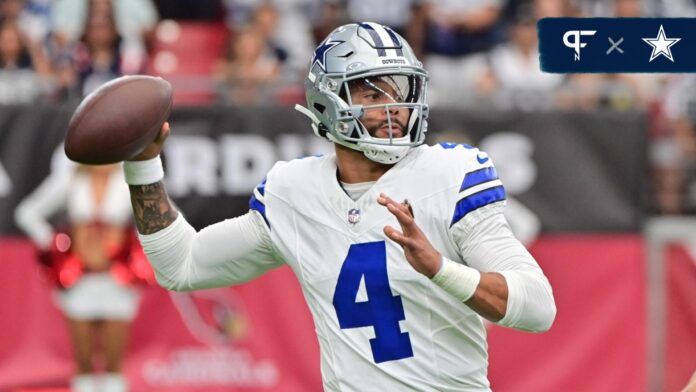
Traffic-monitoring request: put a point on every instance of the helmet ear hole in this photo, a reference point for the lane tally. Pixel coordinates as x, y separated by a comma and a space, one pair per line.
343, 92
320, 108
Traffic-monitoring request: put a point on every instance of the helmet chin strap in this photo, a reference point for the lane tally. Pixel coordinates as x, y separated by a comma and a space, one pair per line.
385, 154
312, 117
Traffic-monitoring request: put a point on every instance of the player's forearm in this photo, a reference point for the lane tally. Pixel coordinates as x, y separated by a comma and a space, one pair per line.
531, 306
490, 298
519, 298
152, 209
169, 252
511, 283
225, 253
486, 293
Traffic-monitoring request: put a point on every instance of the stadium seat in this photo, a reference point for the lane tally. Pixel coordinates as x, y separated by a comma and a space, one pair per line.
185, 53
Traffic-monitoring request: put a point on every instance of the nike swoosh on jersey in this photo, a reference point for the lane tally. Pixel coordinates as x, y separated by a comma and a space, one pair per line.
481, 160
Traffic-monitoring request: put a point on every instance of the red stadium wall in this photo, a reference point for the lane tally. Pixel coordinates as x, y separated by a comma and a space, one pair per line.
597, 342
259, 336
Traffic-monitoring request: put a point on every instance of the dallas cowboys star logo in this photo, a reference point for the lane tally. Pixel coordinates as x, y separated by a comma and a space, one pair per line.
320, 53
661, 45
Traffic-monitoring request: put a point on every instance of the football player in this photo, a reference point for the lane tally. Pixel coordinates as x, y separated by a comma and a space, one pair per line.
400, 248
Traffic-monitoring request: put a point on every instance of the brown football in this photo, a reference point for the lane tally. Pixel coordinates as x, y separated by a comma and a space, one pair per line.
118, 120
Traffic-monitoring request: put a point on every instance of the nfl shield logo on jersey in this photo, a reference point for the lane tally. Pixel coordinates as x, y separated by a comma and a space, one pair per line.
354, 215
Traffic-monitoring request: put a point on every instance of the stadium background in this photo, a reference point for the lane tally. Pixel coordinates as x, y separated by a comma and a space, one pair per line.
604, 162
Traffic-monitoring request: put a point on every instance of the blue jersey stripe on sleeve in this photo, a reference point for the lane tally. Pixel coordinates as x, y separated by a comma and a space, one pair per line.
449, 145
262, 187
476, 201
255, 204
479, 177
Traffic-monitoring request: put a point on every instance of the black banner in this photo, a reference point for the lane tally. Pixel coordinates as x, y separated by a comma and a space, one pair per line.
611, 45
576, 171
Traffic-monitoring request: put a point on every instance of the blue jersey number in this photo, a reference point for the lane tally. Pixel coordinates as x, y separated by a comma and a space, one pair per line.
382, 310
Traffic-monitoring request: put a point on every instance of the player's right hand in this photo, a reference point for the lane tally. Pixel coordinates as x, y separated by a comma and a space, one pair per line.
153, 149
418, 250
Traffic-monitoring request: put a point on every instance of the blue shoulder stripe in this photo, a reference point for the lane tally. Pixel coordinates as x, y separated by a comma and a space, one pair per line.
255, 204
449, 145
479, 177
476, 201
262, 187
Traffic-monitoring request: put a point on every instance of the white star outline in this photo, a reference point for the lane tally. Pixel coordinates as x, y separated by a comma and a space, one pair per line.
321, 52
661, 45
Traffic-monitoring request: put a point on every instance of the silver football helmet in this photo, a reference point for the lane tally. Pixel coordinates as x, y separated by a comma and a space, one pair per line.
367, 56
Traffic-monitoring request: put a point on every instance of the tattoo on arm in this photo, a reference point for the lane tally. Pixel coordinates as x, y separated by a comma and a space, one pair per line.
151, 206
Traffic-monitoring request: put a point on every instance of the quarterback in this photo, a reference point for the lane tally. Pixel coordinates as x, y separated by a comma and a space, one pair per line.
401, 248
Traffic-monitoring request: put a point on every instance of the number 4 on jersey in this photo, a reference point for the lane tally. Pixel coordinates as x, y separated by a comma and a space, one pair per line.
382, 310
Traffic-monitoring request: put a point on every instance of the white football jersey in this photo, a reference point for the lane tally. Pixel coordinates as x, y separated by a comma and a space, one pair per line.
381, 325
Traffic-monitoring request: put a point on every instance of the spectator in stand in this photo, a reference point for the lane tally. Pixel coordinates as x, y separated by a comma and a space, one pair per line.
25, 73
671, 8
328, 16
673, 153
396, 14
32, 17
514, 79
97, 56
135, 21
265, 24
457, 35
551, 8
292, 29
247, 76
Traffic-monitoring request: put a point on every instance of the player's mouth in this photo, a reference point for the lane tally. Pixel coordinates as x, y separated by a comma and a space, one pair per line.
383, 131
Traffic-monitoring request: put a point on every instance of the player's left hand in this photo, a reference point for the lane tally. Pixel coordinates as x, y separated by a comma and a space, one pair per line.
418, 250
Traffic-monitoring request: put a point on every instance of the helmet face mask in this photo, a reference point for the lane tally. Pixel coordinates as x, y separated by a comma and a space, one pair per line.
357, 84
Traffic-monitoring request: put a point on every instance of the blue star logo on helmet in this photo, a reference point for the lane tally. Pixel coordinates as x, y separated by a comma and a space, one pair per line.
320, 53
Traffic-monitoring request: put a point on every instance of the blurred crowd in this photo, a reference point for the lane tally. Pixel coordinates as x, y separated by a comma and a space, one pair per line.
479, 53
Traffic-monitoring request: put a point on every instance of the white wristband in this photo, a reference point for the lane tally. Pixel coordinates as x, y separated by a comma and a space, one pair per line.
457, 279
143, 172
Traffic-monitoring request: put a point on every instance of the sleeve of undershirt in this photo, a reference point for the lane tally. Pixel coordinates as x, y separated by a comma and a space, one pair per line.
490, 246
223, 254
